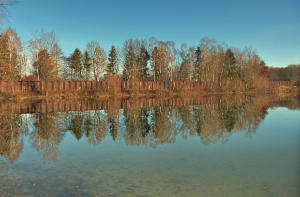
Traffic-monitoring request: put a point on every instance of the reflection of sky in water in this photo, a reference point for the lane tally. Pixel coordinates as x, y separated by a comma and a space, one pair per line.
266, 163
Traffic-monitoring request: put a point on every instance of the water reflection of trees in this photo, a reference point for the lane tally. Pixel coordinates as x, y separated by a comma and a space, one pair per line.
137, 126
218, 121
12, 129
47, 134
213, 122
91, 124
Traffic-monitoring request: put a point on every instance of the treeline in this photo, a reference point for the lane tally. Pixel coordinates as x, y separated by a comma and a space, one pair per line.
289, 73
155, 60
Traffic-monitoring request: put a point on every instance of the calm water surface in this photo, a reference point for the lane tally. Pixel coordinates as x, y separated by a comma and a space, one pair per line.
249, 148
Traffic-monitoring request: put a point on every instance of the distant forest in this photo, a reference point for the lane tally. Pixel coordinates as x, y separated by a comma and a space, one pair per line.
289, 73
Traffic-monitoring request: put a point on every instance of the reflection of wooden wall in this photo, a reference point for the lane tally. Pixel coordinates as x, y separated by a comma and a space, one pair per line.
116, 104
92, 87
105, 104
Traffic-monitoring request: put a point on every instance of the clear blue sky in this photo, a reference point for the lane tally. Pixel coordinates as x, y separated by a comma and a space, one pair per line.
271, 27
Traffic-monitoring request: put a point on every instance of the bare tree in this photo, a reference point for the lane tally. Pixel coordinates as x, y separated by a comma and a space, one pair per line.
99, 59
22, 65
100, 63
172, 52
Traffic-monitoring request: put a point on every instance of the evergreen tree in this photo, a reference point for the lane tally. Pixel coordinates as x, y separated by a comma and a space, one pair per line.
129, 70
142, 62
197, 65
112, 67
231, 68
76, 64
87, 65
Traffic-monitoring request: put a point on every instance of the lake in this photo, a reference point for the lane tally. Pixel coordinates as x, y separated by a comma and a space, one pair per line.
210, 146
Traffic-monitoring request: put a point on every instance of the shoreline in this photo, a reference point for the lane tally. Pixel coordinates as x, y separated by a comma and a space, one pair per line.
148, 94
42, 105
